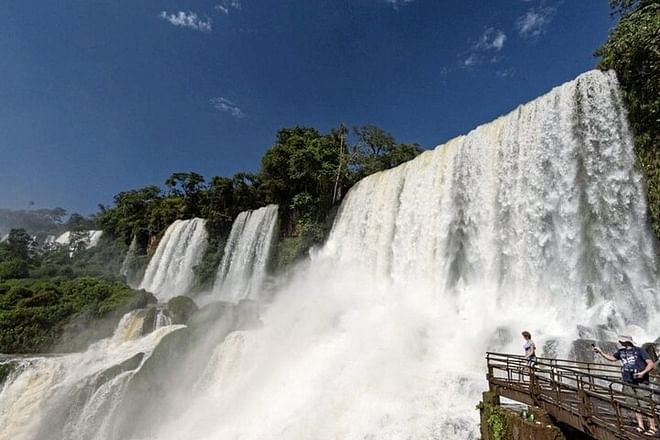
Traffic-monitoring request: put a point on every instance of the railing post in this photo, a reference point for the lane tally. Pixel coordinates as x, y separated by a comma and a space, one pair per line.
617, 409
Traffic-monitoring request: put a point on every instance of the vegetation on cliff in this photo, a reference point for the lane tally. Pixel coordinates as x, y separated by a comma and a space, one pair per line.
633, 51
45, 290
305, 172
33, 313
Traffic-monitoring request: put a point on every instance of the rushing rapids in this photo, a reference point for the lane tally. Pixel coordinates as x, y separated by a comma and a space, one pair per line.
244, 263
534, 221
170, 270
75, 396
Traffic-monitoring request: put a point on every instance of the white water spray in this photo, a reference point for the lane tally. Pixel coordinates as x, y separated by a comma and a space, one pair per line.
75, 396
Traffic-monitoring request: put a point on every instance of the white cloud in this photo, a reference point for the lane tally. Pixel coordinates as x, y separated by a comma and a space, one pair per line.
227, 5
534, 22
187, 19
397, 3
225, 105
491, 39
506, 73
484, 50
472, 60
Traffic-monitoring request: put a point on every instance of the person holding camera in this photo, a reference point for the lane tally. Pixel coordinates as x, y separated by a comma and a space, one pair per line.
635, 368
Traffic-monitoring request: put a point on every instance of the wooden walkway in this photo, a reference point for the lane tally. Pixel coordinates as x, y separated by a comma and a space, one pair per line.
586, 396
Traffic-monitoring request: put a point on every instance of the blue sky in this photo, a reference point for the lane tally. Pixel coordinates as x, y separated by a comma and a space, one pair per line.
100, 96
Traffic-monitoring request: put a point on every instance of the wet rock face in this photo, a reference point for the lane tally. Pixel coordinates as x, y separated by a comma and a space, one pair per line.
112, 372
5, 370
599, 333
180, 309
149, 323
582, 350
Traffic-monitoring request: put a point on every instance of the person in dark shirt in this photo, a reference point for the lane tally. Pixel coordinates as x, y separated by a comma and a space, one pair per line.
635, 368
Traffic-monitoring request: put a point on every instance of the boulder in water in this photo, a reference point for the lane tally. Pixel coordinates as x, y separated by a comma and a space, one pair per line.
582, 350
181, 308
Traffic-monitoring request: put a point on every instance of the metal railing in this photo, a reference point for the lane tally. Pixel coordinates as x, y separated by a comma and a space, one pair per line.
590, 397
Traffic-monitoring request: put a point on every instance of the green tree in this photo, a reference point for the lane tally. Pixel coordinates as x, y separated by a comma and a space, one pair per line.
19, 244
189, 186
376, 150
132, 213
633, 51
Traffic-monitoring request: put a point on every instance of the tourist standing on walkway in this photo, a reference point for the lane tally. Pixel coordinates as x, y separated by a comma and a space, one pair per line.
530, 350
635, 368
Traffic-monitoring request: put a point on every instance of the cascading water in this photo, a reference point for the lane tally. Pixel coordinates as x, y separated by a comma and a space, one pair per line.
75, 396
76, 240
535, 221
162, 319
170, 270
243, 268
127, 269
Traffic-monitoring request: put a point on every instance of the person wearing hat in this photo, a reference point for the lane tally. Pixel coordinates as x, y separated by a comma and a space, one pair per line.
635, 369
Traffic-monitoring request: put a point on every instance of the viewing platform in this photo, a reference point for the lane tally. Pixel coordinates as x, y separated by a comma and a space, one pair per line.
585, 398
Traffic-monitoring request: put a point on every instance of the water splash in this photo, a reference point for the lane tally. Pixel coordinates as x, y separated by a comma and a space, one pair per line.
75, 396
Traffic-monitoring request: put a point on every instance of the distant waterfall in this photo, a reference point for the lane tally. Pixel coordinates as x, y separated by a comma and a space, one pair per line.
75, 396
170, 270
243, 268
77, 240
127, 269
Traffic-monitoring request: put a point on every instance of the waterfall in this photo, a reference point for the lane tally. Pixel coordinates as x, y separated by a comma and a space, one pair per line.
244, 263
128, 268
535, 221
170, 270
75, 396
76, 240
542, 208
162, 319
